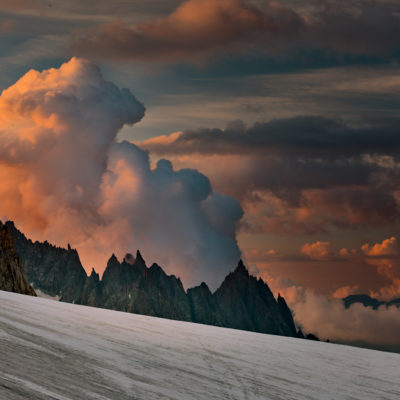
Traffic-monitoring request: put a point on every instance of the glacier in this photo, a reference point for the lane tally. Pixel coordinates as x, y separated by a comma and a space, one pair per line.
55, 350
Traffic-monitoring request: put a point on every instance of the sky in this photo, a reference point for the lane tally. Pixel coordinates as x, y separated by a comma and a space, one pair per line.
202, 131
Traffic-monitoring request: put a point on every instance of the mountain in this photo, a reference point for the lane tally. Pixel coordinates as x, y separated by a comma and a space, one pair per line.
241, 302
368, 301
53, 270
12, 275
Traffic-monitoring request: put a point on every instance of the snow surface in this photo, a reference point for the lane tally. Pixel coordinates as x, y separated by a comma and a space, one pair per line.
53, 350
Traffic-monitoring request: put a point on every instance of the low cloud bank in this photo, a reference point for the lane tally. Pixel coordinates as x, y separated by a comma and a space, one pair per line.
329, 319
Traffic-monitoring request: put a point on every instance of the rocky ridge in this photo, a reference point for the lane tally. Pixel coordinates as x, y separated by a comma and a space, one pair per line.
241, 302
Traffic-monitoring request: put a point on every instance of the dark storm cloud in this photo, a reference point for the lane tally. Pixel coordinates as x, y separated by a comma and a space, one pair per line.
311, 172
196, 27
305, 134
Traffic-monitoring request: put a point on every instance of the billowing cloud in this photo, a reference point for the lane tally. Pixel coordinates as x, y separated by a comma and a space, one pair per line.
318, 250
65, 179
385, 257
203, 27
388, 247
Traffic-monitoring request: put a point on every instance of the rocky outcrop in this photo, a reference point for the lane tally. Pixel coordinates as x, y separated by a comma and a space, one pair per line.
247, 303
12, 275
53, 270
241, 302
203, 306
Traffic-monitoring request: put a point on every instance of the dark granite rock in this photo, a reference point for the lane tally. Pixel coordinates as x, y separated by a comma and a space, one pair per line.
12, 274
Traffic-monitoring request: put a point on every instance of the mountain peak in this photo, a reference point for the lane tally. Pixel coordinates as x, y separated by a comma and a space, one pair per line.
139, 258
113, 260
94, 275
241, 269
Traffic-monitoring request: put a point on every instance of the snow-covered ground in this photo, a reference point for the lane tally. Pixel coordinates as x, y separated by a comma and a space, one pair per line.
53, 350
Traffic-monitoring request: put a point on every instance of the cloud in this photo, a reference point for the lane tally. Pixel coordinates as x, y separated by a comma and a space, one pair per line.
385, 257
303, 134
318, 250
16, 5
329, 319
198, 28
388, 247
7, 26
344, 291
64, 178
302, 174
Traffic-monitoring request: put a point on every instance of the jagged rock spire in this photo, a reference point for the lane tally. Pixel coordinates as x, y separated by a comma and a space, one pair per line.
241, 269
139, 258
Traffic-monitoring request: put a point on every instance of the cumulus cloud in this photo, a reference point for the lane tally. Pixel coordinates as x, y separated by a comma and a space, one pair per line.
64, 178
388, 247
385, 257
203, 27
318, 250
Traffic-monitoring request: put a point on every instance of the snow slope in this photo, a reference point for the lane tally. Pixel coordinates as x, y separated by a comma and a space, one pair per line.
53, 350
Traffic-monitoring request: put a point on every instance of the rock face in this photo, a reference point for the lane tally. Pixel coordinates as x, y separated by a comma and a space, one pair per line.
12, 275
132, 287
241, 302
53, 270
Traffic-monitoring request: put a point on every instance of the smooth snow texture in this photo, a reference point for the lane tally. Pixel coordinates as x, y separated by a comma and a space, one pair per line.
52, 350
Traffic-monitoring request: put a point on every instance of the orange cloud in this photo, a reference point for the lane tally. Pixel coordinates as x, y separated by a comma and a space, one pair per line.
317, 251
388, 247
388, 267
344, 291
